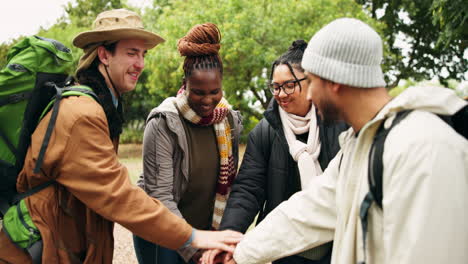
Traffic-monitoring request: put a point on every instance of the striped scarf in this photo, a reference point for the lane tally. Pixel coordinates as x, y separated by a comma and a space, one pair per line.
227, 171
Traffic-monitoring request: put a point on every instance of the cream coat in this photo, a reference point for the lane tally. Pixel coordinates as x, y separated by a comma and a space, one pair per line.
425, 182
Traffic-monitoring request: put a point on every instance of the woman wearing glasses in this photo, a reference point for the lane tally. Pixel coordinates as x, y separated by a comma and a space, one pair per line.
287, 148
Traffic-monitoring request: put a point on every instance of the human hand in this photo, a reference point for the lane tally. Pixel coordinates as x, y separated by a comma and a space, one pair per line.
232, 261
222, 240
216, 256
196, 258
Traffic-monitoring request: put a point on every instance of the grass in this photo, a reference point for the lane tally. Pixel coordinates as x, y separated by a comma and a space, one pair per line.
130, 151
134, 167
130, 156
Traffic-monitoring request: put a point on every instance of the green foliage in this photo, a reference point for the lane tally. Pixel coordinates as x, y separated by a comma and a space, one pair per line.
4, 48
249, 123
410, 29
452, 84
138, 103
254, 34
131, 136
83, 12
79, 18
132, 133
451, 17
400, 88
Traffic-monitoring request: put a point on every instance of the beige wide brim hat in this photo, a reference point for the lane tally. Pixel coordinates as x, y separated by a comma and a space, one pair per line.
114, 25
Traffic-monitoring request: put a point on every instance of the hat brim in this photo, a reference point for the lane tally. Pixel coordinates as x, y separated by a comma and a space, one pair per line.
95, 36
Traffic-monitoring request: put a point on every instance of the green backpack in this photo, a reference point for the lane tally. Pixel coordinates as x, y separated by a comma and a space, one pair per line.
30, 85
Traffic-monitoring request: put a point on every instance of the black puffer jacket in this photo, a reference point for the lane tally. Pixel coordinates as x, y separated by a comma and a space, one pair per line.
268, 174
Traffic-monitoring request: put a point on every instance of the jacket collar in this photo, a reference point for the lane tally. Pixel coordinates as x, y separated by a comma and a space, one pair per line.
168, 105
434, 99
271, 114
429, 98
93, 78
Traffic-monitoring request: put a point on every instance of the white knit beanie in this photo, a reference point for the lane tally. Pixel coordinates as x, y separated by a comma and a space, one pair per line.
346, 51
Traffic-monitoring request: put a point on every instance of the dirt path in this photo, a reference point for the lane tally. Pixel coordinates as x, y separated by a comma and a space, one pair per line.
123, 246
130, 156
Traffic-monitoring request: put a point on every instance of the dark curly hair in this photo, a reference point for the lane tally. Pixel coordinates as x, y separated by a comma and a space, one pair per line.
291, 58
200, 46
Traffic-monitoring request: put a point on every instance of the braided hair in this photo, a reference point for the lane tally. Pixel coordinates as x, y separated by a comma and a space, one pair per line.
200, 47
291, 58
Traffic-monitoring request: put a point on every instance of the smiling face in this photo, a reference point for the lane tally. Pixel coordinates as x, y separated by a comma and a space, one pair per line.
125, 64
204, 91
295, 103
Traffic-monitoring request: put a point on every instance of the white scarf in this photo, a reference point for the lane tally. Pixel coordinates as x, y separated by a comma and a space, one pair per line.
306, 155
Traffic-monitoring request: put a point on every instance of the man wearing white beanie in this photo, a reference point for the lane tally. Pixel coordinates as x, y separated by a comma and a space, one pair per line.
425, 166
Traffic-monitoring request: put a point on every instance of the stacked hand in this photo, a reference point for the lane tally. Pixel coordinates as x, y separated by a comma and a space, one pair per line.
220, 243
216, 256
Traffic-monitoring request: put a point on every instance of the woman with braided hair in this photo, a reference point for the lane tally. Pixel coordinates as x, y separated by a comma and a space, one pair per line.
190, 145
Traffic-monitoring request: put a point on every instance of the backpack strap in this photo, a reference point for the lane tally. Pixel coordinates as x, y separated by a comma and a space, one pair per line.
50, 126
8, 143
266, 139
80, 90
375, 166
32, 191
458, 121
15, 98
60, 93
375, 174
35, 251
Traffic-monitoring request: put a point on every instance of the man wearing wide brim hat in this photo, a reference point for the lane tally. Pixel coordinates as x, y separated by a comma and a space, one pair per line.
75, 216
111, 26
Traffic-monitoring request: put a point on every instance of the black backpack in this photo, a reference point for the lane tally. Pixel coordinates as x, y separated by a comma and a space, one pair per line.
458, 121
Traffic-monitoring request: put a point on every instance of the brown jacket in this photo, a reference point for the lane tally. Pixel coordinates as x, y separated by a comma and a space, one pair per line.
75, 217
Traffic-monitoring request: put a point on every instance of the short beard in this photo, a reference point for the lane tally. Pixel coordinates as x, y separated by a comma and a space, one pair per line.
329, 112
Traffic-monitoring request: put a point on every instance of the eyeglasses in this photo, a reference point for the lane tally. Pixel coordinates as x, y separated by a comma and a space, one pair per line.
288, 87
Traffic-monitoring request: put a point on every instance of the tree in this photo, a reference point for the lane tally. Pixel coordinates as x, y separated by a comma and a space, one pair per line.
4, 48
451, 17
419, 49
79, 17
254, 34
84, 12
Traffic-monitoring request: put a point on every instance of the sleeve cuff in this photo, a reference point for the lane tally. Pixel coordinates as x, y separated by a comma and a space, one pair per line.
190, 240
